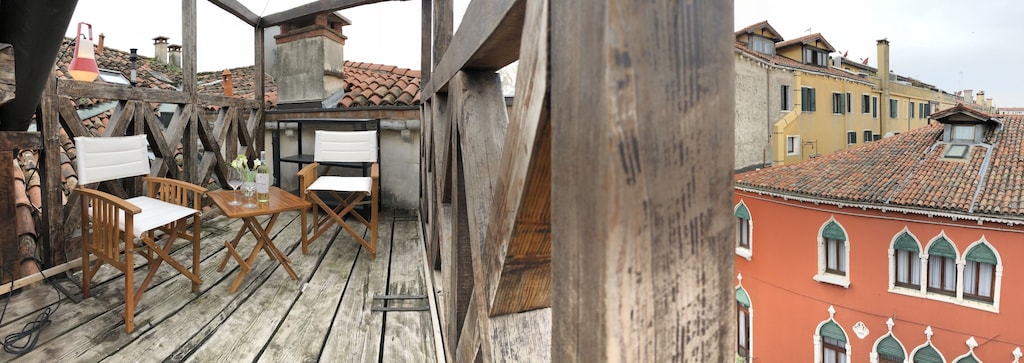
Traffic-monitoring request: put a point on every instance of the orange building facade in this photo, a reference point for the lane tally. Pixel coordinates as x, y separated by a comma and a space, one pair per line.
862, 256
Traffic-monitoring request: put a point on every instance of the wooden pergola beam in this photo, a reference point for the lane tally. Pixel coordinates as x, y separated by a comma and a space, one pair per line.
488, 43
238, 10
312, 8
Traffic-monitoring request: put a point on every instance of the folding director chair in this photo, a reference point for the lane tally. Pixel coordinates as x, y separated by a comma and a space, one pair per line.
122, 227
342, 147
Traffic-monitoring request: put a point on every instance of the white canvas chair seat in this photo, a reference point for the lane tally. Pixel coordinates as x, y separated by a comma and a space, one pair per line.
111, 225
343, 147
342, 184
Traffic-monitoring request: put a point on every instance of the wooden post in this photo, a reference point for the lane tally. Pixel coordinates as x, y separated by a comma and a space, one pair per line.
260, 133
190, 140
7, 87
642, 155
54, 214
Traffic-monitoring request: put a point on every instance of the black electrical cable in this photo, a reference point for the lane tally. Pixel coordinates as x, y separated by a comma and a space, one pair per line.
24, 341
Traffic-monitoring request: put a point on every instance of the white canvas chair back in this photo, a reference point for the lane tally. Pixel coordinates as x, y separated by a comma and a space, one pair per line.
346, 146
108, 158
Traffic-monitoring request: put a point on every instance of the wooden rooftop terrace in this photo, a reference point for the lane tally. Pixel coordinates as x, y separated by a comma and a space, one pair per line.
327, 315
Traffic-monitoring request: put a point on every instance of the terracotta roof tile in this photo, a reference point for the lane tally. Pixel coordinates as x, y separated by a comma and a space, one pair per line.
807, 39
909, 170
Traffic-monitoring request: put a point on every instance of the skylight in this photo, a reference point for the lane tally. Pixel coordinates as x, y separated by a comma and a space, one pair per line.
957, 151
114, 77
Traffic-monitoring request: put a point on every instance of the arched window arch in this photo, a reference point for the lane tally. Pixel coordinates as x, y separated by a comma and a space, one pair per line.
983, 273
888, 349
831, 344
926, 353
942, 271
833, 254
905, 262
744, 231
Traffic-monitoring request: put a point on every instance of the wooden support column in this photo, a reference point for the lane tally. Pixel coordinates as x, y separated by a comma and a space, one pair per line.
261, 87
54, 215
642, 154
190, 140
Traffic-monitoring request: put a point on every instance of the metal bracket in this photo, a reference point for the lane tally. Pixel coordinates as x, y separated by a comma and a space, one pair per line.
385, 298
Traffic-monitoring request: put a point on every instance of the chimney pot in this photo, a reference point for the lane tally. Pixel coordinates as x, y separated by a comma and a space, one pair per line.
160, 49
174, 54
228, 87
99, 46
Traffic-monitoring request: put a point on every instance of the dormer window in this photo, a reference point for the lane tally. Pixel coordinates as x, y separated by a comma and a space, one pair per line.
815, 56
962, 133
762, 45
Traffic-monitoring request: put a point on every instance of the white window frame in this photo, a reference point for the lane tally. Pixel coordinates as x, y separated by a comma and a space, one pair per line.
996, 290
923, 265
750, 324
960, 262
848, 134
865, 100
874, 347
796, 145
828, 277
745, 252
910, 358
818, 358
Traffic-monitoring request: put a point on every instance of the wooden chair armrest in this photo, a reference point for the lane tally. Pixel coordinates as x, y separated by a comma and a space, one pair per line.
307, 175
375, 171
175, 191
109, 198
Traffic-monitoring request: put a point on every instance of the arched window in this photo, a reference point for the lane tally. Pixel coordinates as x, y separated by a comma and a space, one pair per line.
942, 267
906, 261
833, 254
980, 273
744, 229
927, 354
888, 349
969, 358
743, 324
833, 343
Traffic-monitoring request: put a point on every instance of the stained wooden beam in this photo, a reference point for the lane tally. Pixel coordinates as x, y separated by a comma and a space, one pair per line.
641, 181
518, 254
53, 192
208, 99
236, 8
312, 8
77, 89
7, 86
488, 42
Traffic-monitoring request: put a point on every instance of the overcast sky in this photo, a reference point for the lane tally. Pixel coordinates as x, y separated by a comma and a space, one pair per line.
950, 44
945, 43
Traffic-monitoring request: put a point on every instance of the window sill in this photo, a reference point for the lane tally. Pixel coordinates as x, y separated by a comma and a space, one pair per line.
744, 252
833, 279
984, 306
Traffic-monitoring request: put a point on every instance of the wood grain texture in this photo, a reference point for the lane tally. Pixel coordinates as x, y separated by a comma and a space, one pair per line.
9, 250
517, 254
76, 89
403, 329
523, 337
641, 178
312, 8
236, 8
54, 217
7, 79
487, 43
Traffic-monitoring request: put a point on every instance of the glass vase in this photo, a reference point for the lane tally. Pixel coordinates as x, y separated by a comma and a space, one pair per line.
249, 191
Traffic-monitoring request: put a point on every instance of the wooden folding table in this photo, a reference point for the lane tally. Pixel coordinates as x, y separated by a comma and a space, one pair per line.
280, 201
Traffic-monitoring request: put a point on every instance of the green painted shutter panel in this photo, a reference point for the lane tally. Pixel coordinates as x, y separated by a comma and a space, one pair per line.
832, 330
890, 348
927, 354
967, 359
982, 253
742, 212
742, 298
833, 231
943, 248
906, 242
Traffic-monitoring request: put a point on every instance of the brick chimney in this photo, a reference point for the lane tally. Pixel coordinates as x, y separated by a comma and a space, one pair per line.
99, 46
310, 58
979, 98
174, 54
229, 88
883, 83
160, 49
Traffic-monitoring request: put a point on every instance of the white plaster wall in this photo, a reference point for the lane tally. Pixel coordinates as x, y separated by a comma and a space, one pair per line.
758, 107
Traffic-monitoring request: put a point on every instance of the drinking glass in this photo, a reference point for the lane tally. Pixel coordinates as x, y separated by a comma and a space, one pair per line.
234, 181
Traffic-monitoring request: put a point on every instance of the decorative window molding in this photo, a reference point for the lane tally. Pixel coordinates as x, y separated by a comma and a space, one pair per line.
955, 268
888, 348
942, 276
968, 357
927, 352
906, 262
984, 252
833, 254
830, 335
744, 307
744, 231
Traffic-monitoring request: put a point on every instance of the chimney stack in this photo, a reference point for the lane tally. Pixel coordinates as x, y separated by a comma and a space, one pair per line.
228, 87
316, 44
979, 98
99, 46
883, 83
174, 54
160, 49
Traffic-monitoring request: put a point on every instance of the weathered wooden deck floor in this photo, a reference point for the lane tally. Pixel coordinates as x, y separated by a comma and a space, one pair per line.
324, 316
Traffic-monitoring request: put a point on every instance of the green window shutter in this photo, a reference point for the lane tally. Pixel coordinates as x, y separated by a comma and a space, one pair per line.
813, 103
943, 248
906, 242
742, 298
832, 330
982, 253
742, 212
890, 348
968, 359
833, 231
927, 354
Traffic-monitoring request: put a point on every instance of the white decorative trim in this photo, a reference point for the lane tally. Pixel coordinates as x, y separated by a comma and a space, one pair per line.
1017, 354
998, 288
817, 338
971, 344
928, 334
861, 330
745, 252
796, 144
892, 259
826, 277
750, 316
874, 347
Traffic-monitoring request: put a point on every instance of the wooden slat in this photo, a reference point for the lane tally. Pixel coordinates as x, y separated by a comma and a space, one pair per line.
487, 43
443, 14
9, 249
163, 152
404, 331
260, 95
312, 8
78, 89
426, 9
208, 99
53, 190
463, 322
641, 181
517, 258
523, 337
235, 8
121, 119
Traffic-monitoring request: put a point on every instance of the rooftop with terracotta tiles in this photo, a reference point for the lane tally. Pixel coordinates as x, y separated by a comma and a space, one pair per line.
910, 170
